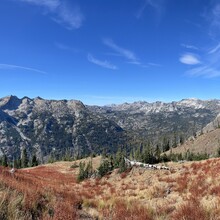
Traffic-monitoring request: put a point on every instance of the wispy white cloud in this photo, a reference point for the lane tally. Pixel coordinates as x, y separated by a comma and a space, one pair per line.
14, 67
155, 4
210, 66
104, 64
154, 64
68, 16
189, 59
141, 10
129, 55
215, 49
212, 16
49, 4
71, 18
62, 46
216, 15
188, 46
205, 71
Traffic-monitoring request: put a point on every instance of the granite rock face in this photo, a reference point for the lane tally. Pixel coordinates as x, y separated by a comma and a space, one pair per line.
59, 127
52, 127
153, 120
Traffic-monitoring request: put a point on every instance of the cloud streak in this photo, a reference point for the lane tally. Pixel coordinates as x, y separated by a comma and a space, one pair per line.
216, 15
105, 64
49, 4
215, 49
15, 67
155, 4
63, 14
205, 71
188, 46
129, 55
62, 46
210, 66
189, 59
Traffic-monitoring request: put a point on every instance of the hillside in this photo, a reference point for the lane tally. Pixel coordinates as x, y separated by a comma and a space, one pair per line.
206, 141
187, 191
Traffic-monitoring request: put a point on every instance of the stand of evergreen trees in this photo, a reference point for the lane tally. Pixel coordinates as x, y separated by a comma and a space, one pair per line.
21, 162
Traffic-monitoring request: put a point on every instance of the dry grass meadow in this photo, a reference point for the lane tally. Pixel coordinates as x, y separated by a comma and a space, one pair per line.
189, 191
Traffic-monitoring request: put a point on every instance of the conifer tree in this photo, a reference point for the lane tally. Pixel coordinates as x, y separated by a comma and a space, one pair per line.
122, 165
157, 153
85, 171
34, 161
104, 167
81, 175
5, 161
17, 163
24, 158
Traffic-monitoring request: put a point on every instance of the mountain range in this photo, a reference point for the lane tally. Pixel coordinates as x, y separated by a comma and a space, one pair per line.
59, 127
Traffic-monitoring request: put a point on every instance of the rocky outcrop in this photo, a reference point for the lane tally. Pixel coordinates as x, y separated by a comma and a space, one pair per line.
58, 127
55, 128
154, 120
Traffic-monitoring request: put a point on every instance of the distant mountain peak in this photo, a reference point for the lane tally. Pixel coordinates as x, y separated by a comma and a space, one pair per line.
38, 97
10, 102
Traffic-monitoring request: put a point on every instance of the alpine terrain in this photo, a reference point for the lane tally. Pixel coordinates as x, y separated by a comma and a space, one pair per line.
54, 128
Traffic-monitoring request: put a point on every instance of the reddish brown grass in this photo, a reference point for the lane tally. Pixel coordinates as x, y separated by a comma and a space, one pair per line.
123, 212
191, 210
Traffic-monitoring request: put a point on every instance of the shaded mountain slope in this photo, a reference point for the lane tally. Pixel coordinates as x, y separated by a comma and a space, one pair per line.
51, 127
153, 120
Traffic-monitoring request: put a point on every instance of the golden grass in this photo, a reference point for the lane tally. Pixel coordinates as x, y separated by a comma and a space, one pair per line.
52, 192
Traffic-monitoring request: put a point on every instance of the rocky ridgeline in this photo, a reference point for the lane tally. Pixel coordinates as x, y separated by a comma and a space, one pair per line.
53, 128
153, 120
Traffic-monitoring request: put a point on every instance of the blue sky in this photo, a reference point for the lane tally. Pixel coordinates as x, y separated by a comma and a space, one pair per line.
110, 51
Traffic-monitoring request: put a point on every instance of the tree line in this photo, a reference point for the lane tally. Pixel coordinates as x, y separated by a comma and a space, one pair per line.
21, 162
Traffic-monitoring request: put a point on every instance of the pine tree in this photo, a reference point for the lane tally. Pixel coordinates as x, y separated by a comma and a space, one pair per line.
166, 144
5, 161
34, 161
182, 140
117, 159
157, 153
17, 163
174, 145
88, 169
81, 175
104, 167
24, 158
85, 171
218, 152
122, 166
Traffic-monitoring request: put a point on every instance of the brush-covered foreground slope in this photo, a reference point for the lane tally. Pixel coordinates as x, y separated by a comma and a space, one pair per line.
187, 191
54, 128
